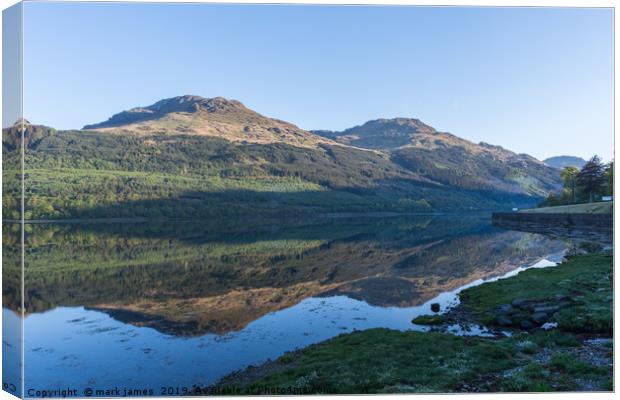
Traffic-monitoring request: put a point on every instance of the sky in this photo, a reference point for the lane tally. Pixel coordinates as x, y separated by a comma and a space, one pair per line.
533, 80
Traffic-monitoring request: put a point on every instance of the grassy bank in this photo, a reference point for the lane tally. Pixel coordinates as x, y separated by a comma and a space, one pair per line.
605, 207
577, 295
577, 355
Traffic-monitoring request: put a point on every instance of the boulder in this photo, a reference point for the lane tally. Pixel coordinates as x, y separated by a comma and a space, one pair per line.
435, 307
526, 324
502, 320
505, 309
540, 317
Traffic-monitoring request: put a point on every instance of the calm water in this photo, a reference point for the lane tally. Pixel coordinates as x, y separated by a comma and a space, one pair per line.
146, 306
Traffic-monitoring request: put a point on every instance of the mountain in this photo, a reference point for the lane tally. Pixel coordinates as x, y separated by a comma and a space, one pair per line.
448, 159
217, 117
561, 162
193, 157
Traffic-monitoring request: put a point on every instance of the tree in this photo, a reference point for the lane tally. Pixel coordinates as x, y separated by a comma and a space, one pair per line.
591, 178
569, 177
609, 175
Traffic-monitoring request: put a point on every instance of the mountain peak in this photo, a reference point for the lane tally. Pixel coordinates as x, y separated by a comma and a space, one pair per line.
399, 126
560, 162
179, 104
215, 117
21, 122
382, 133
193, 103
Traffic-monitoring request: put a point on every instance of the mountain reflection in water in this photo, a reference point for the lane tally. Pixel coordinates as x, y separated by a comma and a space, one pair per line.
190, 296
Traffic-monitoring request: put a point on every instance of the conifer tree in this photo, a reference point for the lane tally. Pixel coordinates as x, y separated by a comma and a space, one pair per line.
591, 178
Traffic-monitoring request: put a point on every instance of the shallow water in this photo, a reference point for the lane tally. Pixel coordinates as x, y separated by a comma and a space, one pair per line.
159, 307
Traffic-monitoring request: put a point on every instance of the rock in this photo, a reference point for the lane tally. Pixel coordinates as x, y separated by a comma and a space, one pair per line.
546, 309
505, 309
520, 303
533, 306
502, 320
526, 324
435, 307
540, 317
549, 325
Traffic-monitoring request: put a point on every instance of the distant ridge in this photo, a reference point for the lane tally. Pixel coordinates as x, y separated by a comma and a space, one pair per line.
560, 162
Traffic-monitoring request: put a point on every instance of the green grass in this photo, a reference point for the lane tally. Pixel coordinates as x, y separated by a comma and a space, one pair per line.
586, 279
382, 360
559, 374
388, 361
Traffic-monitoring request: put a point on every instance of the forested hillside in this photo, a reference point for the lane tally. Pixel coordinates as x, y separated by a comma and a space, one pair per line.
190, 157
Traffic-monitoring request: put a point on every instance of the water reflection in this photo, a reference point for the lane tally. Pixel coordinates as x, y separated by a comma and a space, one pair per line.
187, 303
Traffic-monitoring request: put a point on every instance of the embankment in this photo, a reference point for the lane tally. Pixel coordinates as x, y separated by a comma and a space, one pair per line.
592, 222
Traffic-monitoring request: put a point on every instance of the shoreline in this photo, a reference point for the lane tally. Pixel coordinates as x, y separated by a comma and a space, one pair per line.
574, 352
266, 217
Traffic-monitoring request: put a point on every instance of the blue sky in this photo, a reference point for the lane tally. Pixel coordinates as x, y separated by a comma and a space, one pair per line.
534, 80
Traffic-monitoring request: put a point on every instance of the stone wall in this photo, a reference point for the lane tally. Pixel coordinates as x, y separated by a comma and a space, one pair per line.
603, 221
587, 227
